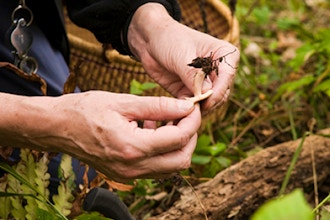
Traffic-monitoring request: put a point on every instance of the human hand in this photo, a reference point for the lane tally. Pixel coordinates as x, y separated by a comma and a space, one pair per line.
101, 129
166, 47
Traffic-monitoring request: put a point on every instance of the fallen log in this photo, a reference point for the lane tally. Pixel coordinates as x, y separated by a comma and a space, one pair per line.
238, 191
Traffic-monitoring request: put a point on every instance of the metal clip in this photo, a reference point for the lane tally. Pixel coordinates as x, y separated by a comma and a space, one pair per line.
21, 39
22, 11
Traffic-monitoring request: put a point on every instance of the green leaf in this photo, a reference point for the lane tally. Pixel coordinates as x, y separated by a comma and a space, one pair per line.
323, 87
135, 87
16, 178
203, 140
223, 161
262, 14
12, 172
217, 149
302, 54
213, 150
26, 167
63, 200
287, 23
148, 85
324, 40
304, 81
294, 85
200, 159
42, 180
212, 169
138, 88
17, 208
325, 213
289, 207
5, 206
42, 214
91, 216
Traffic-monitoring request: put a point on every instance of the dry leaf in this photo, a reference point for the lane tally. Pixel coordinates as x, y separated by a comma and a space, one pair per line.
32, 77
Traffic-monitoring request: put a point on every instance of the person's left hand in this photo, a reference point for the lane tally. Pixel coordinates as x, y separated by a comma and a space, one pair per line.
166, 47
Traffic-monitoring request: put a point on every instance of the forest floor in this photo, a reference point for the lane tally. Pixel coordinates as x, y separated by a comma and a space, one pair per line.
277, 95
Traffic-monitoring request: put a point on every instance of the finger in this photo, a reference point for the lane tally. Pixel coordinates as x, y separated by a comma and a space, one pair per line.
218, 104
148, 124
223, 81
220, 89
169, 137
156, 108
174, 161
161, 166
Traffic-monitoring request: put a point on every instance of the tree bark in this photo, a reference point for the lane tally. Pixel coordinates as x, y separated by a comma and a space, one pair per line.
238, 191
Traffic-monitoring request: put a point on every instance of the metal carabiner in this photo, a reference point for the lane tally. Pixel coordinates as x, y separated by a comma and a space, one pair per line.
28, 65
22, 11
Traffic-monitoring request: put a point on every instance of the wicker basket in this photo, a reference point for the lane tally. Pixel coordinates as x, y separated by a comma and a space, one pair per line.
108, 70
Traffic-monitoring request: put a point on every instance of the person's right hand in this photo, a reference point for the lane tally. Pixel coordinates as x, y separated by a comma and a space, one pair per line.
101, 129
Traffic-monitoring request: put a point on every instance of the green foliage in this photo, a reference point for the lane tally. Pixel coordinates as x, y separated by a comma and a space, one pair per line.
43, 214
91, 216
14, 187
323, 87
63, 201
42, 180
287, 207
210, 156
294, 86
26, 169
261, 15
25, 192
322, 206
325, 213
4, 201
138, 88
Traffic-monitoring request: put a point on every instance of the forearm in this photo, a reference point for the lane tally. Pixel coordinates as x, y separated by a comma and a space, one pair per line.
29, 122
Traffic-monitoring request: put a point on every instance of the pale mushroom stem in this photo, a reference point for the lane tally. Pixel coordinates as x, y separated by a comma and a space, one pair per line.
198, 84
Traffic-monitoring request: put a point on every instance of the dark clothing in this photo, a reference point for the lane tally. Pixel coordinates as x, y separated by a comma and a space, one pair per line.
107, 19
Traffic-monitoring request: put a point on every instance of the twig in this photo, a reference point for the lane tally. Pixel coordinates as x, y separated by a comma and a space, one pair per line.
316, 194
245, 130
199, 200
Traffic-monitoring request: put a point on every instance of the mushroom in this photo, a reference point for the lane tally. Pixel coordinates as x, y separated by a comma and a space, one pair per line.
198, 84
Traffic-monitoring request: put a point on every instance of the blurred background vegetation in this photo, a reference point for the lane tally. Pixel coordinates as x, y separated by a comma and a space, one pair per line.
281, 91
282, 88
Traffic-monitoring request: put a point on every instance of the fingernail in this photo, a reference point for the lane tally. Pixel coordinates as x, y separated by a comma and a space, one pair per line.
185, 105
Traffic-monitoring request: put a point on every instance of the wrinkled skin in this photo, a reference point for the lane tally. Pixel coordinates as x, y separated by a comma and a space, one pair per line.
166, 47
101, 129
